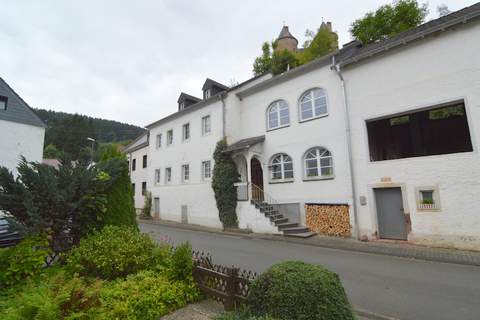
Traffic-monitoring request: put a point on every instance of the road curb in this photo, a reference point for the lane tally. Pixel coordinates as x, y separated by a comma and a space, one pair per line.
394, 250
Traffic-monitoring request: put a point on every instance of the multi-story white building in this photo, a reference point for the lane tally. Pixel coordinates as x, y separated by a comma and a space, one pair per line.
374, 142
137, 156
22, 132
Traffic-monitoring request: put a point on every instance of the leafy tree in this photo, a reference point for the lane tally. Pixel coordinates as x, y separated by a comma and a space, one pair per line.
224, 176
64, 203
389, 20
51, 152
263, 63
318, 45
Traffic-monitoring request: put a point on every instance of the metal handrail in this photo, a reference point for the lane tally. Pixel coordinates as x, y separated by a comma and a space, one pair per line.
258, 194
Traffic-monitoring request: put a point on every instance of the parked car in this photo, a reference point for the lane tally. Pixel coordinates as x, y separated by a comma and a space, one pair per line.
8, 236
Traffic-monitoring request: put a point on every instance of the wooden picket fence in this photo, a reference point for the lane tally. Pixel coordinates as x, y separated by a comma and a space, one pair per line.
229, 285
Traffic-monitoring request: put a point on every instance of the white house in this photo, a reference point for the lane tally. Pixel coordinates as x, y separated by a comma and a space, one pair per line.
137, 155
373, 142
22, 132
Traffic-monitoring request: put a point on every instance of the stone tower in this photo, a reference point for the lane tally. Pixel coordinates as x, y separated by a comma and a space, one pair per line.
285, 40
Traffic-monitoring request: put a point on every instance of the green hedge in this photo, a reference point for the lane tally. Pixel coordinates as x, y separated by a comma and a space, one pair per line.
297, 290
111, 253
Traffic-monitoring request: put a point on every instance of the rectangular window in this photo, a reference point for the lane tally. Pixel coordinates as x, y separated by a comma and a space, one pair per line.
169, 137
206, 125
3, 103
134, 164
185, 173
133, 188
186, 131
207, 93
428, 199
144, 188
158, 143
440, 130
157, 176
144, 161
206, 170
168, 175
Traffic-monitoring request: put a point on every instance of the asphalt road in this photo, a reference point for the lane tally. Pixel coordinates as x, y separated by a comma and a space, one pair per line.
396, 287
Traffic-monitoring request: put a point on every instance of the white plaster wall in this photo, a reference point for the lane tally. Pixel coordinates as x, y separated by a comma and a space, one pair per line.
196, 194
440, 69
296, 139
16, 140
251, 218
139, 175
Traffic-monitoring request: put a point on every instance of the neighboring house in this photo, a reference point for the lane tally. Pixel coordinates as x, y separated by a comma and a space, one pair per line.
138, 164
21, 130
373, 142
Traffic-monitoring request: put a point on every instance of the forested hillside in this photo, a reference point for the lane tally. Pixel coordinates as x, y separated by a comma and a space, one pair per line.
68, 133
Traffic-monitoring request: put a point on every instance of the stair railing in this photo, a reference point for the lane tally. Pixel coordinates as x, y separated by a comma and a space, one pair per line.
259, 195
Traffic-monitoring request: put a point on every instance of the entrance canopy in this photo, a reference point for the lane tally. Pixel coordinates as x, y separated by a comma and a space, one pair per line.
244, 144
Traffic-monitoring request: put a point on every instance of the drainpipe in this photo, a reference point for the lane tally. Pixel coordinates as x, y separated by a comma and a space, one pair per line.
224, 117
348, 132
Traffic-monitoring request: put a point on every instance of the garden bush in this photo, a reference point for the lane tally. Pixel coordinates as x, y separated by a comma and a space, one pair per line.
297, 290
22, 261
145, 295
113, 252
54, 296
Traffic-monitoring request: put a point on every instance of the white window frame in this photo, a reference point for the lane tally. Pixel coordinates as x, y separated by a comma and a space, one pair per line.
284, 159
310, 93
207, 93
278, 104
182, 105
158, 141
186, 129
168, 175
204, 131
185, 172
319, 155
421, 206
169, 137
157, 176
204, 176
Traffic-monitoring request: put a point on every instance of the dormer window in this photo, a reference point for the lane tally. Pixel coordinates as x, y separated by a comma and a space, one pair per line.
181, 106
3, 103
207, 93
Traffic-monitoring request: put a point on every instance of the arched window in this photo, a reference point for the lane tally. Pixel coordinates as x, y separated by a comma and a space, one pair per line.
278, 115
318, 163
281, 167
313, 104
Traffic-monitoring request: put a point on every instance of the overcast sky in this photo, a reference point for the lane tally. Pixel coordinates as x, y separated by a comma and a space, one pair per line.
129, 60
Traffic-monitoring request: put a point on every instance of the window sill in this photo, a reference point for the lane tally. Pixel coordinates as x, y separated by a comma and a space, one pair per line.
314, 118
281, 181
318, 178
428, 207
278, 128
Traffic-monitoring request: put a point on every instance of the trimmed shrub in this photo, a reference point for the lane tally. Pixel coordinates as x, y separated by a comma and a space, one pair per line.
120, 209
113, 252
145, 295
297, 290
181, 263
22, 261
224, 176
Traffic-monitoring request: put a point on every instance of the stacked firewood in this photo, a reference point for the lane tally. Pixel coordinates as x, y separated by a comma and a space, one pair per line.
331, 220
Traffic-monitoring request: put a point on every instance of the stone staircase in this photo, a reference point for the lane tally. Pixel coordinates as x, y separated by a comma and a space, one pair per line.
288, 228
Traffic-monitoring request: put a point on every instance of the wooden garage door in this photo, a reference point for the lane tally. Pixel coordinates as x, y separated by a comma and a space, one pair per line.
328, 219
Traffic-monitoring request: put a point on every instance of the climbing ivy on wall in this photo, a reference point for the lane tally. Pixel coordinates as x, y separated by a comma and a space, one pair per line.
224, 176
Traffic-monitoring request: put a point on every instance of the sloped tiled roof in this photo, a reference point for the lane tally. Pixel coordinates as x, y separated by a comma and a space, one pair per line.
184, 96
209, 82
245, 143
17, 109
